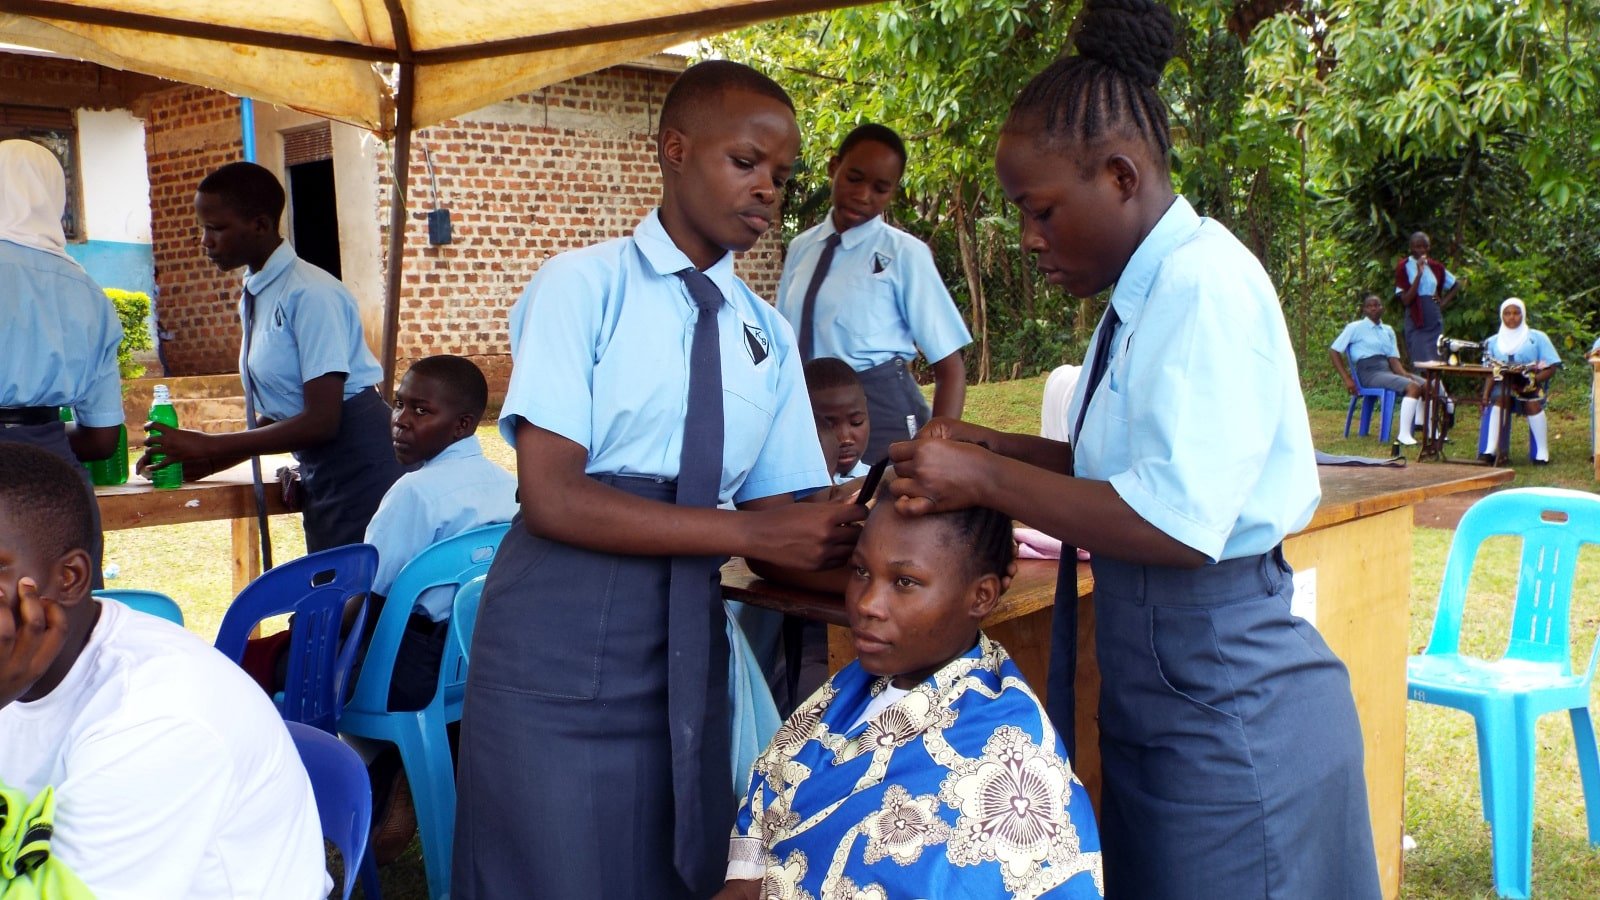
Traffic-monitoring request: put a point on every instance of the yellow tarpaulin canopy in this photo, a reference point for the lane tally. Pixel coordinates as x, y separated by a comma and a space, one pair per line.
386, 65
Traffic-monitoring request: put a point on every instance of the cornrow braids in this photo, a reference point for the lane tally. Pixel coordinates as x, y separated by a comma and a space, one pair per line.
986, 535
1109, 85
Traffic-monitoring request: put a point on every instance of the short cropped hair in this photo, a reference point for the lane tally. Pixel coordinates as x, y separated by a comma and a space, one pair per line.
702, 83
461, 379
880, 134
246, 188
826, 373
46, 500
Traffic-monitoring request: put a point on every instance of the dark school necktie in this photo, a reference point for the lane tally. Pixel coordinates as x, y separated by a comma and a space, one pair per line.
250, 422
1063, 675
808, 308
697, 672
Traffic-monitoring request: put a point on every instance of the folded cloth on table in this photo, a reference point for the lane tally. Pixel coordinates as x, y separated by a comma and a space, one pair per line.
1329, 459
1035, 544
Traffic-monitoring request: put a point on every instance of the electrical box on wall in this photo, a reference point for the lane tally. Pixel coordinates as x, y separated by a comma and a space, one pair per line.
439, 226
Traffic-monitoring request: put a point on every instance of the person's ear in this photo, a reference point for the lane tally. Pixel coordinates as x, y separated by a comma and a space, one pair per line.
1125, 172
674, 149
466, 424
833, 164
983, 595
74, 577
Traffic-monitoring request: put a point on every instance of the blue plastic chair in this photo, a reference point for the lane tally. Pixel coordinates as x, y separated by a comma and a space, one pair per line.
315, 588
1507, 696
1369, 397
154, 603
344, 801
460, 563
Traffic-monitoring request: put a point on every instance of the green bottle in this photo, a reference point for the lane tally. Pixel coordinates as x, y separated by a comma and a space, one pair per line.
114, 468
161, 411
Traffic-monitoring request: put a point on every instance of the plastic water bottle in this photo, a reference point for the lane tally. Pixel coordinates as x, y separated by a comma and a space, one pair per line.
161, 411
114, 468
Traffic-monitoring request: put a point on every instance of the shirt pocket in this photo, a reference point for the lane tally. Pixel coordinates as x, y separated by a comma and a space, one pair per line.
1102, 448
867, 308
747, 414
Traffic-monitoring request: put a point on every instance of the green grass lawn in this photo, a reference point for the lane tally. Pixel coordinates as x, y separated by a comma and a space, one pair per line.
1443, 811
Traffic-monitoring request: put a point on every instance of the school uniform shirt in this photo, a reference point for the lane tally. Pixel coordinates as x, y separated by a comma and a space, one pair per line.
1536, 349
600, 346
1199, 424
1364, 338
1427, 283
173, 774
859, 470
63, 336
883, 298
307, 325
456, 491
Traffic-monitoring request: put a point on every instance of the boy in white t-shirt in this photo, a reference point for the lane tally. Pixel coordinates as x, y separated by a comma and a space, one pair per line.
174, 776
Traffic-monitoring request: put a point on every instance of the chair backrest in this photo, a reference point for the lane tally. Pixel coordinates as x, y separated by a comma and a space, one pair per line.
315, 588
344, 795
450, 563
1553, 524
458, 646
152, 603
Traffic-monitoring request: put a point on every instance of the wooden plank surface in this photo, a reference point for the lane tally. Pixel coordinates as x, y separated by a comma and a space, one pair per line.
1350, 492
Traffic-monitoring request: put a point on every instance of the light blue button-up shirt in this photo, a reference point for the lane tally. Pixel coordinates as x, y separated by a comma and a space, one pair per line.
1364, 338
1427, 285
307, 325
62, 335
600, 355
1199, 424
1536, 349
458, 490
883, 298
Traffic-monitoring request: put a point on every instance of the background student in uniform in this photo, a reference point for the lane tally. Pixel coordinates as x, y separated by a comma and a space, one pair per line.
304, 363
1424, 288
861, 290
840, 407
1376, 355
62, 331
648, 385
1515, 344
172, 772
1191, 467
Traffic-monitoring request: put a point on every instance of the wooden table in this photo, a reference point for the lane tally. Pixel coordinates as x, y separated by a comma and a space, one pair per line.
1354, 556
225, 495
1433, 374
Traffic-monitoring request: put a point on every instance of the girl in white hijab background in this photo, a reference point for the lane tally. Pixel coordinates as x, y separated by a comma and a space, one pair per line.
1516, 344
61, 330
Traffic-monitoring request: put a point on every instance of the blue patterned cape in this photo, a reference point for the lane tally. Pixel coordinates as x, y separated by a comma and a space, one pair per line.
960, 789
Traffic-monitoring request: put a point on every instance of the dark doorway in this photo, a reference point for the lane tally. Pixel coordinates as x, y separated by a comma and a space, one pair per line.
315, 214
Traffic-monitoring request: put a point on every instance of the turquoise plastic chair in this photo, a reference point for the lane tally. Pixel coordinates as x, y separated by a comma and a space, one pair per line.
1507, 696
344, 802
315, 588
154, 603
1367, 398
459, 562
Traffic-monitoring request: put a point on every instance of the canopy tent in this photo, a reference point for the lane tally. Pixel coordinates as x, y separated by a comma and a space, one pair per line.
386, 65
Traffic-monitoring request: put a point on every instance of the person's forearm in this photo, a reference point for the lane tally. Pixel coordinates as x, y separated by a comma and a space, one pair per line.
289, 435
587, 513
89, 443
1083, 513
1339, 364
1036, 451
949, 386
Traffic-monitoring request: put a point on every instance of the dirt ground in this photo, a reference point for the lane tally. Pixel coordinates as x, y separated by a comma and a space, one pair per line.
1445, 512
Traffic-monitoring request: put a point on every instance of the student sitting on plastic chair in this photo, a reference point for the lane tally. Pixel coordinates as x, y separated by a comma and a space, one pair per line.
173, 775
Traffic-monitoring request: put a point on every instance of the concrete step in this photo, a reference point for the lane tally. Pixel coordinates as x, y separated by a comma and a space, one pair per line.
209, 403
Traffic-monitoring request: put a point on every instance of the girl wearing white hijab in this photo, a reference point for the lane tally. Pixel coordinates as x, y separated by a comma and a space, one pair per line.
62, 332
1518, 345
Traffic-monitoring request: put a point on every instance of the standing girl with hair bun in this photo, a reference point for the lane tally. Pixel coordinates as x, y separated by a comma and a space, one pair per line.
1231, 749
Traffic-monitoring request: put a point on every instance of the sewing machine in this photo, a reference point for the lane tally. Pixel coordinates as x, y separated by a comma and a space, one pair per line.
1450, 348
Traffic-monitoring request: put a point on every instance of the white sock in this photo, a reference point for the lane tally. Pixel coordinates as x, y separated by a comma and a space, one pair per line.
1408, 420
1492, 436
1540, 429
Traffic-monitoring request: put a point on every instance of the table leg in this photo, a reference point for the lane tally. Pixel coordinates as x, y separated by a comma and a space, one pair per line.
246, 558
1432, 439
1502, 440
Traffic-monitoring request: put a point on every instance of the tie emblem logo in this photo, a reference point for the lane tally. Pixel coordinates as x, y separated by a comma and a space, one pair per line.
880, 263
756, 344
277, 317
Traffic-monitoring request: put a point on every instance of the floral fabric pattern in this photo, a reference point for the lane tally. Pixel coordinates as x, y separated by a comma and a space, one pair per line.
960, 789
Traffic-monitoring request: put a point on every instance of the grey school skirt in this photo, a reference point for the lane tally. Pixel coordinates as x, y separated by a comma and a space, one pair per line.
565, 779
893, 398
1231, 750
52, 437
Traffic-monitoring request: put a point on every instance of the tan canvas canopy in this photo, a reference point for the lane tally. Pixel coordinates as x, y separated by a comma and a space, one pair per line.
386, 65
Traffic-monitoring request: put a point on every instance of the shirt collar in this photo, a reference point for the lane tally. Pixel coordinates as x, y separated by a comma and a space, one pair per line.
466, 448
856, 236
664, 257
1177, 224
278, 263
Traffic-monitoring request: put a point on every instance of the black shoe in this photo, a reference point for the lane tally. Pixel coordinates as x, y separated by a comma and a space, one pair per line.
1486, 458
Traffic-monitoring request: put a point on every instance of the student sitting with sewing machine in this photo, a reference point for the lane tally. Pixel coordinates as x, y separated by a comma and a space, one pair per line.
1375, 358
1524, 360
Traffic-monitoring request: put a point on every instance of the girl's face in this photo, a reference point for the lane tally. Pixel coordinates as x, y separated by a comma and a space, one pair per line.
1081, 231
1512, 316
864, 181
912, 605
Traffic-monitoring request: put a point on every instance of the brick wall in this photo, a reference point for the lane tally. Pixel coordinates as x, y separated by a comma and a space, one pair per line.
189, 131
560, 168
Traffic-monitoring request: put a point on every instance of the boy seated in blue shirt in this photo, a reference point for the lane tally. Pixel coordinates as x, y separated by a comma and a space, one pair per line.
455, 489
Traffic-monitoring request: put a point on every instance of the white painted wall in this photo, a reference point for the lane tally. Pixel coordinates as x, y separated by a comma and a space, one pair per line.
116, 180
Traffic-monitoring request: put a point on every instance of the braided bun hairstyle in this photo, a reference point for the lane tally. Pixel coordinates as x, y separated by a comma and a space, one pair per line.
1109, 85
